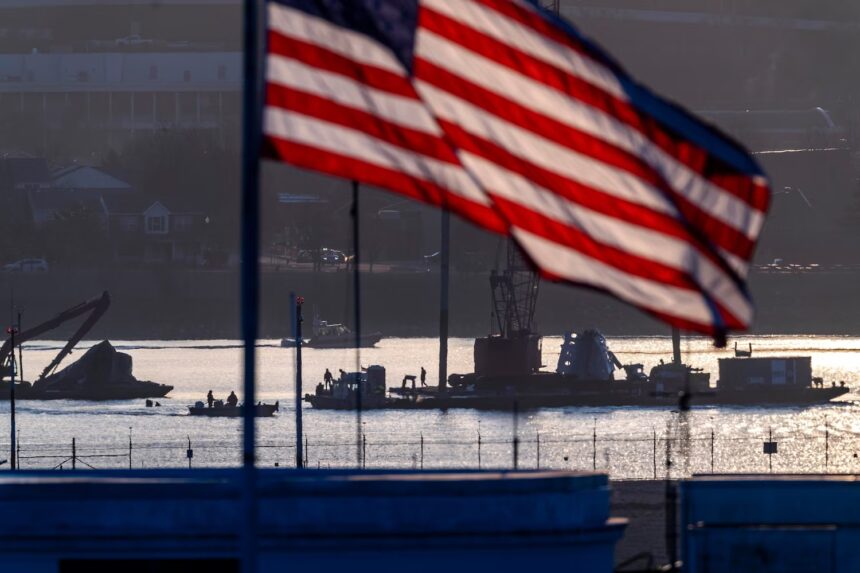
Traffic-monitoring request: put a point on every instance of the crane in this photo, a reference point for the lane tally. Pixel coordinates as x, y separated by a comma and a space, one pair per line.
95, 306
513, 346
515, 292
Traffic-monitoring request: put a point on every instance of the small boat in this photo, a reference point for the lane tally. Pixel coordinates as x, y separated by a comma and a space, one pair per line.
327, 335
222, 411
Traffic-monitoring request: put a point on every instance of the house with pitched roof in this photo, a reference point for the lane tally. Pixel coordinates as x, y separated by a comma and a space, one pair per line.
143, 229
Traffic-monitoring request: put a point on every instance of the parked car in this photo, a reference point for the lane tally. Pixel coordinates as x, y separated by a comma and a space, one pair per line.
27, 265
332, 257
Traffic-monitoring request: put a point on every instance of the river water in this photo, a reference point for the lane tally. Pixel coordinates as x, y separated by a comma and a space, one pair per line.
628, 442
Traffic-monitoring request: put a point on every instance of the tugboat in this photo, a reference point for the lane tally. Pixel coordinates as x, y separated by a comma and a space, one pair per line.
342, 393
327, 335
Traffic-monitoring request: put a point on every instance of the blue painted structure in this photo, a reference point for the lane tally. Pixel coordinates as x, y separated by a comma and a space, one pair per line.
380, 521
777, 524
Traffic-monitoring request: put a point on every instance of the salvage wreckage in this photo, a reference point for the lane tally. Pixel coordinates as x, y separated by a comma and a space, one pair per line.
102, 373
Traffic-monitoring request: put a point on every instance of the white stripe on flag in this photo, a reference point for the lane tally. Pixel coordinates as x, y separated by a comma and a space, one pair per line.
542, 99
396, 109
574, 266
358, 47
549, 155
624, 235
327, 136
502, 28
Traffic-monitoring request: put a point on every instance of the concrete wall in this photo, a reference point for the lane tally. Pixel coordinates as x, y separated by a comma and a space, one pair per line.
314, 521
781, 524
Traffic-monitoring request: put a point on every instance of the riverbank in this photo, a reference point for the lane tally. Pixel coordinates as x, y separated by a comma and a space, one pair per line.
160, 303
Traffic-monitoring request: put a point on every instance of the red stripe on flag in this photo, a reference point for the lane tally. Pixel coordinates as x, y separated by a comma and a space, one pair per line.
542, 72
372, 125
571, 237
352, 168
725, 236
543, 126
323, 59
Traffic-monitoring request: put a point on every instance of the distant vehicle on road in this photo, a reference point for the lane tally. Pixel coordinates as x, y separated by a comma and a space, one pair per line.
27, 265
326, 256
133, 41
332, 257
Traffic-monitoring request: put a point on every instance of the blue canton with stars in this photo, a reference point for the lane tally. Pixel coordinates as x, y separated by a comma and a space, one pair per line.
389, 22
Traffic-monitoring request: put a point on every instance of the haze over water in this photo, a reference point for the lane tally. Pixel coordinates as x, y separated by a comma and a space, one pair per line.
625, 435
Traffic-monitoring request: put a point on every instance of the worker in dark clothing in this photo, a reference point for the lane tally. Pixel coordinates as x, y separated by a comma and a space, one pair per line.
327, 378
423, 377
342, 374
210, 398
232, 400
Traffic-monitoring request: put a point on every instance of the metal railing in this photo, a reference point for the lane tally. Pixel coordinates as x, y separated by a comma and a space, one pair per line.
650, 455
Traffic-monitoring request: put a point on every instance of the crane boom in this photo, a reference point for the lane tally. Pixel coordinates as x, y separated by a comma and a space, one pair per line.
515, 293
96, 307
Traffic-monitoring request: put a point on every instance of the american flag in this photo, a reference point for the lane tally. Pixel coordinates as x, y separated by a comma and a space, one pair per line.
507, 115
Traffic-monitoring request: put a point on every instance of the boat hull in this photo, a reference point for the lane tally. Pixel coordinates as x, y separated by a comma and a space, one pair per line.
366, 341
136, 391
260, 411
588, 394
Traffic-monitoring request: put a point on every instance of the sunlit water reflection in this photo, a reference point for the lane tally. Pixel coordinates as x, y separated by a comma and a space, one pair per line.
625, 443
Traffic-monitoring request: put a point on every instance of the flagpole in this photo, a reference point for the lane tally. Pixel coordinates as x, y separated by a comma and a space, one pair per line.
296, 306
250, 280
444, 284
356, 291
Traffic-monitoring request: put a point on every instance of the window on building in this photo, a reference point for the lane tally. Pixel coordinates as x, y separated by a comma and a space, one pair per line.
156, 224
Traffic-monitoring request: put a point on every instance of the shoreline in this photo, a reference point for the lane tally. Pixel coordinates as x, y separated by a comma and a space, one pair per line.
177, 304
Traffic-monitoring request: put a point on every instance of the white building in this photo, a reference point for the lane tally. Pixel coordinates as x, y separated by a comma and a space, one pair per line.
119, 67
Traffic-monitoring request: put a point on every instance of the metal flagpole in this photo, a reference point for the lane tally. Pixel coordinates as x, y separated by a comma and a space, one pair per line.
356, 291
12, 462
443, 301
20, 352
296, 304
251, 119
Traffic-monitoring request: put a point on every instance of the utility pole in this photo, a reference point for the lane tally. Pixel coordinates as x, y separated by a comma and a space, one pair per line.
444, 282
712, 450
516, 436
20, 352
356, 294
297, 303
129, 446
12, 331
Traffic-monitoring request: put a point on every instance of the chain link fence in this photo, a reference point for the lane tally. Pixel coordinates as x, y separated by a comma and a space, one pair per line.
654, 455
